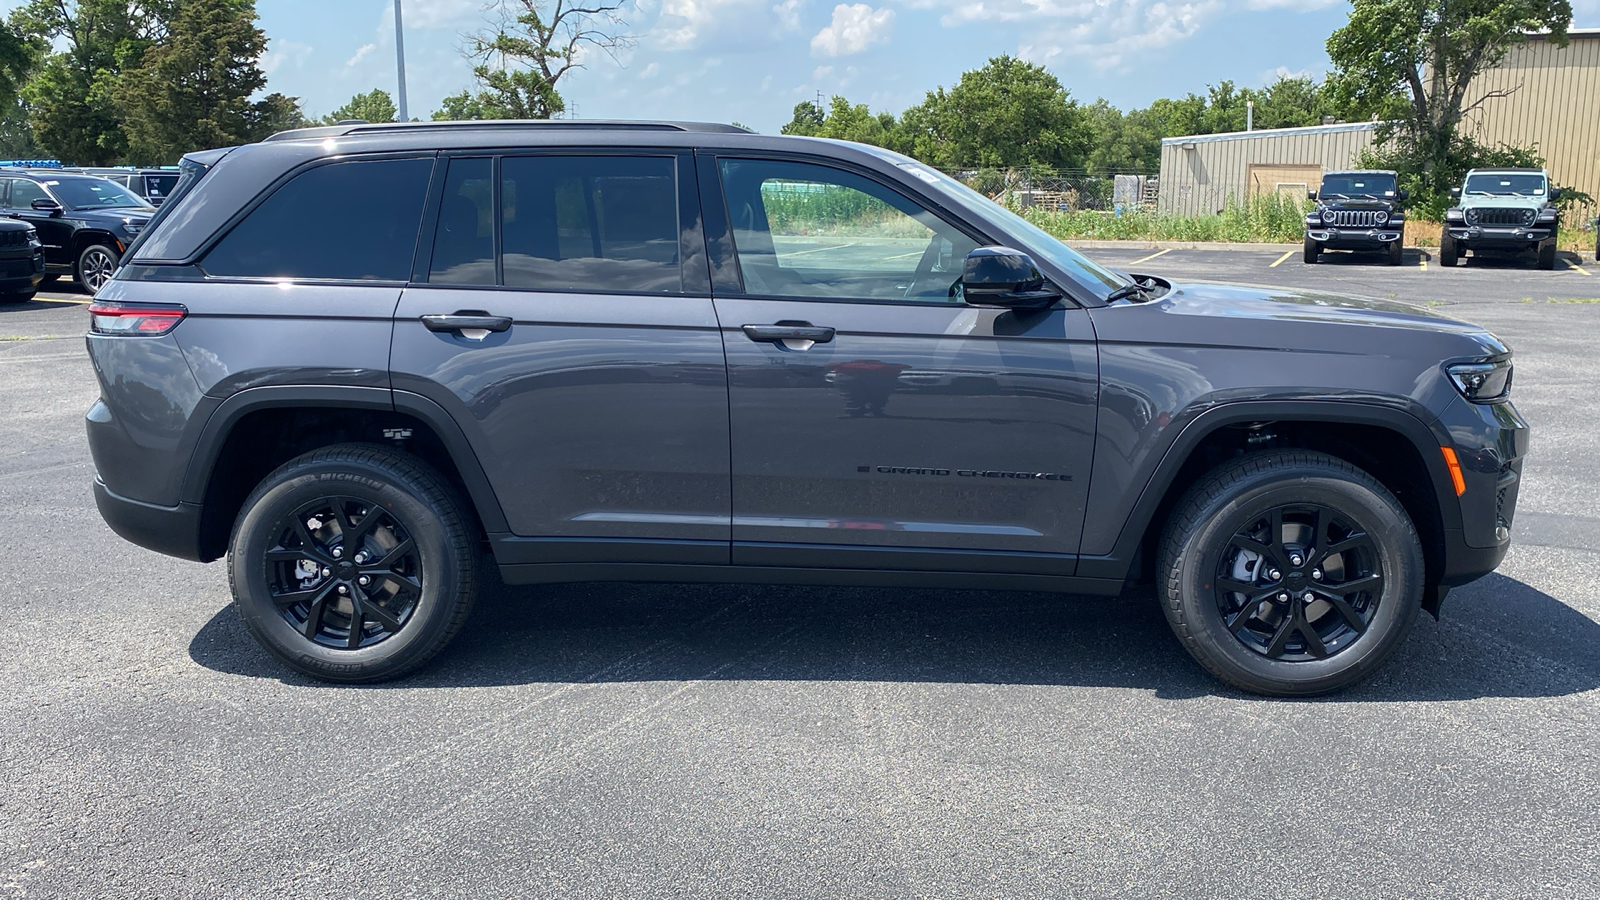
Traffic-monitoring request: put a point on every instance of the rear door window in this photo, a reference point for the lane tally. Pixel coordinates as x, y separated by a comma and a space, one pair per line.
463, 244
355, 220
590, 223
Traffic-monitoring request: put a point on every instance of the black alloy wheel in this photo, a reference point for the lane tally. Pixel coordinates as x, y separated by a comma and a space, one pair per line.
344, 572
1290, 572
1301, 582
354, 563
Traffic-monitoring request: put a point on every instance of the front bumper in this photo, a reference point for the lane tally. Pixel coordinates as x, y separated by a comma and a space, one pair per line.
1490, 441
1499, 237
1356, 238
21, 271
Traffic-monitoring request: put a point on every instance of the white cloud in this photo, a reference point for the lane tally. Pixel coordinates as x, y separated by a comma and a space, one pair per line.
284, 53
360, 54
788, 13
854, 28
1295, 5
650, 71
441, 14
684, 23
821, 72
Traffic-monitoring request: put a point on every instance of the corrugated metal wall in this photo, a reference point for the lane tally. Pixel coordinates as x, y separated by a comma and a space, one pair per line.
1554, 103
1202, 179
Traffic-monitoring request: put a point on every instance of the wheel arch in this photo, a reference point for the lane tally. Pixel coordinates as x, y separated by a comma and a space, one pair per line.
257, 430
1391, 444
84, 238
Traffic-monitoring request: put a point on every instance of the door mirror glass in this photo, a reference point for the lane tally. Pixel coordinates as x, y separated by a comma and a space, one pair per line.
1455, 192
1404, 195
1311, 195
45, 204
1001, 276
1555, 194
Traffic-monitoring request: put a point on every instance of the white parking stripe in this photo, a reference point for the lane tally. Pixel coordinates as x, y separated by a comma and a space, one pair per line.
1280, 259
1151, 256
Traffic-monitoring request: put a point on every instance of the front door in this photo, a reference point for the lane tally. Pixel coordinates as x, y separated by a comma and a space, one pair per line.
583, 362
878, 421
55, 232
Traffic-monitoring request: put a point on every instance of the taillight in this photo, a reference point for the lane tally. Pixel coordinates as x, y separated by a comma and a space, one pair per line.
129, 319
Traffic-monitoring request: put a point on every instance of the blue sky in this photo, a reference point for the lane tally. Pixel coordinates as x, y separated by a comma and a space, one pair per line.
752, 60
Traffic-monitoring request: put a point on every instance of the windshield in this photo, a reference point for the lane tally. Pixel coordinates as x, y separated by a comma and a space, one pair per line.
1090, 275
94, 193
1358, 185
1494, 184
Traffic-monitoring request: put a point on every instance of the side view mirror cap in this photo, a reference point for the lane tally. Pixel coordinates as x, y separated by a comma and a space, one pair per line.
1007, 278
1555, 194
1403, 194
45, 204
1455, 192
1311, 195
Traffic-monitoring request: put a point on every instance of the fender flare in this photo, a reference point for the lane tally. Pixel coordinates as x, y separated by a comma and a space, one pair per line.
1419, 432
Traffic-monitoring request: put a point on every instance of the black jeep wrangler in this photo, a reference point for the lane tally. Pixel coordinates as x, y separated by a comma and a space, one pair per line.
666, 352
1358, 210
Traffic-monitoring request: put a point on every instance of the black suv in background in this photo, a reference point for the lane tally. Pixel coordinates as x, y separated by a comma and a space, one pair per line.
1357, 210
152, 185
21, 261
84, 222
667, 352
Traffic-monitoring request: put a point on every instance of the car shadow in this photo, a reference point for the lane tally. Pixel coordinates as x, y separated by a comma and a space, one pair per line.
1498, 638
1411, 256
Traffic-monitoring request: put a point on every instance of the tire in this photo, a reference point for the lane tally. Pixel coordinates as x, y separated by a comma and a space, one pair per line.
95, 266
1547, 254
1273, 649
1397, 253
1447, 250
17, 298
1312, 251
418, 593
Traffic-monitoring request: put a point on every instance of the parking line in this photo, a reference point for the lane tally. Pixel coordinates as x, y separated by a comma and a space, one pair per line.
1280, 259
1422, 261
1578, 267
1151, 256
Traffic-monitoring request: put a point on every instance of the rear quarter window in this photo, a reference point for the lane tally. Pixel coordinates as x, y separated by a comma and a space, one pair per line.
355, 220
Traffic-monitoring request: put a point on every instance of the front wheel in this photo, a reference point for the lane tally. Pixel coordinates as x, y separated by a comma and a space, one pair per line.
1311, 251
1397, 253
1547, 254
96, 264
1447, 251
353, 563
1290, 573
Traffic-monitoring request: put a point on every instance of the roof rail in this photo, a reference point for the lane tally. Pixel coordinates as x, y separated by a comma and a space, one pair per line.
344, 129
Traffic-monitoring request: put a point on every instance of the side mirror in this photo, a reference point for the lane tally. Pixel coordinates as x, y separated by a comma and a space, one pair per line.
45, 204
1003, 277
1311, 195
1555, 194
1403, 194
1455, 192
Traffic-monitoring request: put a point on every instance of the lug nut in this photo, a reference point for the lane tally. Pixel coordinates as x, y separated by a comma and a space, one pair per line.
1283, 598
1293, 560
339, 551
363, 581
1316, 574
1307, 597
326, 572
361, 557
1273, 574
345, 590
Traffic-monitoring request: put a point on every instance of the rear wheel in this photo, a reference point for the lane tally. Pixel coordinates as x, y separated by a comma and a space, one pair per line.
1547, 254
353, 563
1290, 573
1311, 251
1447, 250
1397, 253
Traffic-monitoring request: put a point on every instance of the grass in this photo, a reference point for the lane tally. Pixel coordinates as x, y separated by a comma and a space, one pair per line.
1267, 220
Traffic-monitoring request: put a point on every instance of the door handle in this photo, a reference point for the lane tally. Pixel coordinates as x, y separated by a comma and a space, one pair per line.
467, 322
789, 331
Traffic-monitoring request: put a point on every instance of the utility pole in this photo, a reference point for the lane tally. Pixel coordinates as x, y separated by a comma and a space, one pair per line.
400, 59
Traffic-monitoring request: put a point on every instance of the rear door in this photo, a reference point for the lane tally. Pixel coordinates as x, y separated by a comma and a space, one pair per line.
583, 360
877, 420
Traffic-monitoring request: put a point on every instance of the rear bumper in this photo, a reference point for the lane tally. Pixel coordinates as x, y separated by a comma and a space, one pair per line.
173, 530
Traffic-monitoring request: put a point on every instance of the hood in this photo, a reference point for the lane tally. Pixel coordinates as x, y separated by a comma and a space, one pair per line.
1390, 204
1284, 318
1505, 201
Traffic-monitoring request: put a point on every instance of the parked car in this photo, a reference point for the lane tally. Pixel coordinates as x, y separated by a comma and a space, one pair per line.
21, 261
1502, 211
85, 223
153, 185
667, 352
1357, 210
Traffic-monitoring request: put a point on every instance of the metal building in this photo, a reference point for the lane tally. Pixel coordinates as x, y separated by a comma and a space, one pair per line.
1551, 99
1200, 173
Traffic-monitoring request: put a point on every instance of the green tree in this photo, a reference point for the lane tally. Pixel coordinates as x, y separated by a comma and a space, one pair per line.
86, 46
192, 91
373, 106
1410, 62
1008, 113
276, 112
523, 57
844, 121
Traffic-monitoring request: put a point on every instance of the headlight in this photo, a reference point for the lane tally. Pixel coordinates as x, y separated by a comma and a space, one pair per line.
1453, 215
132, 227
1327, 216
1484, 382
1548, 214
1383, 217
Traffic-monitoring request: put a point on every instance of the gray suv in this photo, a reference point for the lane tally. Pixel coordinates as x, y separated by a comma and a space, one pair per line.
352, 359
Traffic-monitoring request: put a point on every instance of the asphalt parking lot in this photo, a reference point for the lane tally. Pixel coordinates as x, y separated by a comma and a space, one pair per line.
738, 741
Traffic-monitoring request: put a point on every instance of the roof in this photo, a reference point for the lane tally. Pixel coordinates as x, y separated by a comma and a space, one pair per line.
1503, 170
1358, 172
1260, 133
1574, 34
503, 125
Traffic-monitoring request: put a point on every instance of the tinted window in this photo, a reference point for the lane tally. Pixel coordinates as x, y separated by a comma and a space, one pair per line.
463, 246
590, 224
1506, 183
803, 230
94, 193
24, 192
353, 220
160, 185
1358, 185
